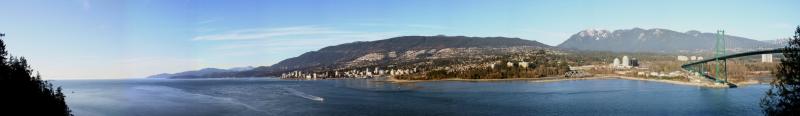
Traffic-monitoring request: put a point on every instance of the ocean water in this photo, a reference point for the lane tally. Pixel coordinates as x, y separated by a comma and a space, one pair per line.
355, 97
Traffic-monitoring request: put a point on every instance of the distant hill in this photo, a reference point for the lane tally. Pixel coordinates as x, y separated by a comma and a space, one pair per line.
397, 49
657, 41
779, 42
199, 73
416, 46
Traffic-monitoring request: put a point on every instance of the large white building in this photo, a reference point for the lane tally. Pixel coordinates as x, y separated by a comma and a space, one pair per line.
523, 64
626, 62
766, 57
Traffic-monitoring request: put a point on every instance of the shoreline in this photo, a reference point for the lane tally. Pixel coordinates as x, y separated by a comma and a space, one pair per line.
557, 79
393, 80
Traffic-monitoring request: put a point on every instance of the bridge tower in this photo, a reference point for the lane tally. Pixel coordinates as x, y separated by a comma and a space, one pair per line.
721, 69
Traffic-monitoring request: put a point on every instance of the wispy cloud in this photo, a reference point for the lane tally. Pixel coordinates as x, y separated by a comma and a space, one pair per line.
424, 26
288, 46
267, 33
280, 44
207, 21
86, 4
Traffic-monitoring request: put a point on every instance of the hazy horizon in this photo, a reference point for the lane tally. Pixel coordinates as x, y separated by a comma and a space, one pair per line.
74, 39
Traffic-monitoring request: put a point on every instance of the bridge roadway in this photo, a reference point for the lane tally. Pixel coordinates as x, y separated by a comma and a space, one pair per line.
779, 50
688, 66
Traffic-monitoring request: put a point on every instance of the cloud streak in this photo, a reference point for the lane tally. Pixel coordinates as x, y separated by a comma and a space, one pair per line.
422, 26
323, 40
86, 5
267, 33
206, 21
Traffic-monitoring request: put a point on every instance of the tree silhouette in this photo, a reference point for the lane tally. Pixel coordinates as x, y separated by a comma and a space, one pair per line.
783, 98
24, 93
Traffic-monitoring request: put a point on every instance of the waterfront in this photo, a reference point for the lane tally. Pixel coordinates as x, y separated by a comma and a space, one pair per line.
269, 96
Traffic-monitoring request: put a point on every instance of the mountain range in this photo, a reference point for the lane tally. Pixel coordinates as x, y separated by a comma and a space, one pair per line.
410, 47
201, 72
657, 41
426, 48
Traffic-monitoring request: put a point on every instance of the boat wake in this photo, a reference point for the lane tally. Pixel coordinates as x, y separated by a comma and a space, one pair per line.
303, 95
175, 93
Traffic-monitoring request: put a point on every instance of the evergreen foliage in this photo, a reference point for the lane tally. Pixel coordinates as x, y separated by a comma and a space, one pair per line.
783, 99
25, 93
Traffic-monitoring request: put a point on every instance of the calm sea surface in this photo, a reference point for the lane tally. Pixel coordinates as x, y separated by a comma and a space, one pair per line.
266, 96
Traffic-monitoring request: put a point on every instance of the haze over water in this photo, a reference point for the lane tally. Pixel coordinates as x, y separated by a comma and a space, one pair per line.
364, 97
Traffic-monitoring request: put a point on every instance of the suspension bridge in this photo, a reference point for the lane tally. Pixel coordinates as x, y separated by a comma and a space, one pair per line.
716, 69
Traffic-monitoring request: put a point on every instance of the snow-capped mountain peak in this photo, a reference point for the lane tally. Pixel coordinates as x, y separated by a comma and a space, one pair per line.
594, 33
653, 40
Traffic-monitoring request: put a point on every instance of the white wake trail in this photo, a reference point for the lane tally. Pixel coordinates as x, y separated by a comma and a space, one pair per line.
179, 93
303, 95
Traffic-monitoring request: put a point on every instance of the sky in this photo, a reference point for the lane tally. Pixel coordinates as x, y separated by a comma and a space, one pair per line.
114, 39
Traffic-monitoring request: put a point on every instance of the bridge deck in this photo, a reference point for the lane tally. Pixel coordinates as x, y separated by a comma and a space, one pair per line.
688, 67
736, 55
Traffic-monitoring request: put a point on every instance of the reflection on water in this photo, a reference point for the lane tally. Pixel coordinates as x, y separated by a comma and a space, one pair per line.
366, 97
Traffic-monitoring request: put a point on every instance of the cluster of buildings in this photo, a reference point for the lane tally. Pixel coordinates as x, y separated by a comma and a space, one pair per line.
689, 58
520, 64
366, 73
652, 73
510, 64
764, 58
661, 74
625, 63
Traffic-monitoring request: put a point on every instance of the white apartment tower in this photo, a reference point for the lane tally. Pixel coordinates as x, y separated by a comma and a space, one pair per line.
766, 57
626, 62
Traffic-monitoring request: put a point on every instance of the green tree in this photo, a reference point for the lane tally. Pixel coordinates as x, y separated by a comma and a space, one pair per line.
783, 98
24, 93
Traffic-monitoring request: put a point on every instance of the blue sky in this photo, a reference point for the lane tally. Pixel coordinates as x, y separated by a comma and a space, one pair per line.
74, 39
